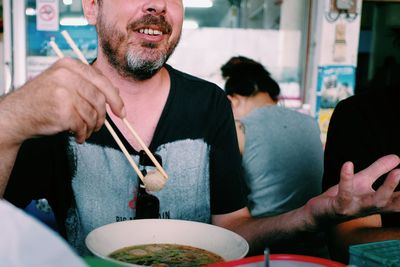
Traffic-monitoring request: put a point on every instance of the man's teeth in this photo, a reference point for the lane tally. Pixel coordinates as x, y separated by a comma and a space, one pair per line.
150, 31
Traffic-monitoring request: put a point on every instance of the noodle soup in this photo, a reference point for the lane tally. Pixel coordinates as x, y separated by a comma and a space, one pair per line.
165, 255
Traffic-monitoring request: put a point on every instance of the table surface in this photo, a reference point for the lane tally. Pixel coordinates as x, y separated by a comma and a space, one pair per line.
276, 260
97, 262
281, 260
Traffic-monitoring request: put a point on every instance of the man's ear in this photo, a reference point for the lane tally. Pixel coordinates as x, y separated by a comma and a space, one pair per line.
90, 9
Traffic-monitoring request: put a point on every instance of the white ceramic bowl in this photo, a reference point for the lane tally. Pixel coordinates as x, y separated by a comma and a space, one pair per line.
106, 239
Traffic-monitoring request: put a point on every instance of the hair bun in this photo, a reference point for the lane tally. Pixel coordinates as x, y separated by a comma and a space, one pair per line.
246, 77
242, 66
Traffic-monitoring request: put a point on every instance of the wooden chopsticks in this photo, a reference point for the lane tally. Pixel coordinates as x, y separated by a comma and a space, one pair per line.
81, 57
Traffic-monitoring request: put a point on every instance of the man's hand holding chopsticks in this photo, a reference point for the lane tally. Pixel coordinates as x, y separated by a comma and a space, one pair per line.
68, 96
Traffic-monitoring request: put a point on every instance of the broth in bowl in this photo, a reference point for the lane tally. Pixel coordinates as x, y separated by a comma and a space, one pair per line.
165, 255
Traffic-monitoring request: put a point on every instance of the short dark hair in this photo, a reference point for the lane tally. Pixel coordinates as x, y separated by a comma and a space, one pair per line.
247, 77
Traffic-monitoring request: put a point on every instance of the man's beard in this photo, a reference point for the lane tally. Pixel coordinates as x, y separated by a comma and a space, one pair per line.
140, 63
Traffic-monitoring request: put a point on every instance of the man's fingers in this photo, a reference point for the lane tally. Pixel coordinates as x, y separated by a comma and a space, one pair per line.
78, 95
385, 191
379, 168
79, 127
88, 114
85, 99
355, 194
81, 136
110, 92
94, 89
346, 179
94, 109
94, 77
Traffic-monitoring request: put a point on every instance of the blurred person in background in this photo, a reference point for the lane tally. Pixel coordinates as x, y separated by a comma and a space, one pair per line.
281, 149
362, 129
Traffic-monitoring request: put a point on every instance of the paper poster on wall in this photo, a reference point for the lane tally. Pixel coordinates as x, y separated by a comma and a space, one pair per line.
47, 16
324, 117
334, 84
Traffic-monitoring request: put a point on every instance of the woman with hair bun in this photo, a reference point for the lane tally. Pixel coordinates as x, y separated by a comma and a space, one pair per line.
281, 148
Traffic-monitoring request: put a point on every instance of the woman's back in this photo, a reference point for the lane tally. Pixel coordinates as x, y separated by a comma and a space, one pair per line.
283, 159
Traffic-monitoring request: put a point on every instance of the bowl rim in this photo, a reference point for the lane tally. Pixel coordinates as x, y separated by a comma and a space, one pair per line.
246, 246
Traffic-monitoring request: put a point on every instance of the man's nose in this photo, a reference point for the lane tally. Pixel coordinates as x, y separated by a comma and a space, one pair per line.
155, 7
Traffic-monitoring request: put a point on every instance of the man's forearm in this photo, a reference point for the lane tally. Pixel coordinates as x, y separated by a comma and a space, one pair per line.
9, 144
7, 159
266, 231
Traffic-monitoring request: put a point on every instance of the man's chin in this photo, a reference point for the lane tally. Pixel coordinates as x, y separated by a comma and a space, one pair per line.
143, 73
146, 75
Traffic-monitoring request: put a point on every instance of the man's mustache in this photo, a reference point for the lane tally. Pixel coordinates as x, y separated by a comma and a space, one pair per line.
150, 20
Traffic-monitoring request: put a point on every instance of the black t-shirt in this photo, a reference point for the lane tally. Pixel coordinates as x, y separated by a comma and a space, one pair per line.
362, 129
92, 184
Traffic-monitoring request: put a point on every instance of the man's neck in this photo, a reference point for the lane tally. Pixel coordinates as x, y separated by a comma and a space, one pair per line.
144, 101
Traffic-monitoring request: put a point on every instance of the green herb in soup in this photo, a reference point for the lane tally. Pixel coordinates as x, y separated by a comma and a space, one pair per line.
166, 255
